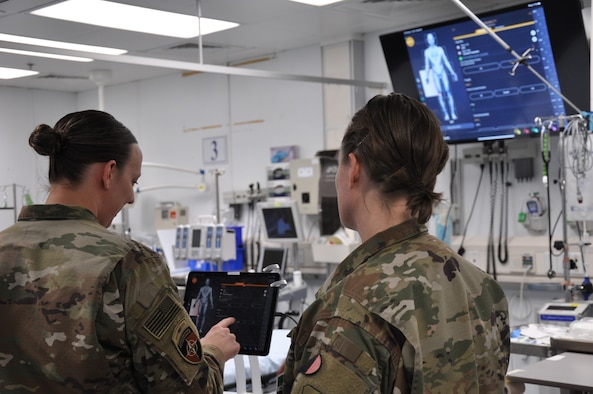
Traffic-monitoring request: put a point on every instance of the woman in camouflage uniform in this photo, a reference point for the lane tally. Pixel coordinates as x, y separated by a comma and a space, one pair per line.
86, 310
403, 313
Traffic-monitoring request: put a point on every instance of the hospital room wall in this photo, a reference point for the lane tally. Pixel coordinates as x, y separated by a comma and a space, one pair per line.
20, 111
174, 114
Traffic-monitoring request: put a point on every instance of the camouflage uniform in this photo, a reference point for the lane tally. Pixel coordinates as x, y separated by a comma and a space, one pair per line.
88, 311
402, 313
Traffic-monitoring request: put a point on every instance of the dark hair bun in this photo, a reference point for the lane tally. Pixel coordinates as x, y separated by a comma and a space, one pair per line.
46, 141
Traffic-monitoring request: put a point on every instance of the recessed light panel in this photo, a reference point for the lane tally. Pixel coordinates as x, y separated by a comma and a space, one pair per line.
12, 73
318, 3
133, 18
61, 45
46, 55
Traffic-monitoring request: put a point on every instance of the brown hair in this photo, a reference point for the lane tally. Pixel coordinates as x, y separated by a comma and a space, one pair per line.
399, 143
79, 139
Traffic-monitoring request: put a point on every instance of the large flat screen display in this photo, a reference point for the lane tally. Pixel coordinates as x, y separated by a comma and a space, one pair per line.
473, 83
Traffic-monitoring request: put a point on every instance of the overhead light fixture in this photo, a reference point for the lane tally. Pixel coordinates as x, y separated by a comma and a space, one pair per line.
318, 3
133, 18
47, 55
61, 45
12, 73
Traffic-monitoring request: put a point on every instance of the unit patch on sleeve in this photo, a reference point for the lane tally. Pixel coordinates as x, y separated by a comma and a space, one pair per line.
187, 342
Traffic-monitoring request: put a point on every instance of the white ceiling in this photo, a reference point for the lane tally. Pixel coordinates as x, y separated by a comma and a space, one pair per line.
266, 27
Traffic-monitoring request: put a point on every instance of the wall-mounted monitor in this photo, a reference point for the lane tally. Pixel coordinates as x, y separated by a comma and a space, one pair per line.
281, 221
464, 75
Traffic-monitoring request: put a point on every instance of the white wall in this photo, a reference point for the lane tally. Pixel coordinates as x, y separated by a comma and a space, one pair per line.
20, 111
172, 115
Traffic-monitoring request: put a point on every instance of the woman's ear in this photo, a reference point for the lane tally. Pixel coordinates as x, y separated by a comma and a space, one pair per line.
108, 173
354, 171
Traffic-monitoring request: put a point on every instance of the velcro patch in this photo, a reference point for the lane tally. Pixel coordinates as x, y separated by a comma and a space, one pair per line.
353, 353
346, 348
187, 342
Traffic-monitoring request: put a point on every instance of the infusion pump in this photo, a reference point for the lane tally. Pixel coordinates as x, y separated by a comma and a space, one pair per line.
205, 242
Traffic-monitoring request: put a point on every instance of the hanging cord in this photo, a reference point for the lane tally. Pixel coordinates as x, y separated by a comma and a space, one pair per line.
558, 245
491, 256
579, 159
583, 244
451, 183
545, 141
503, 250
554, 230
521, 312
561, 213
453, 173
461, 250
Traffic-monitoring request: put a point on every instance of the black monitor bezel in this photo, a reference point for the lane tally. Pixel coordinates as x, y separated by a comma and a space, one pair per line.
567, 37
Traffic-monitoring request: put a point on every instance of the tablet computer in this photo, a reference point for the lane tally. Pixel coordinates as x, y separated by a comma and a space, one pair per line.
249, 297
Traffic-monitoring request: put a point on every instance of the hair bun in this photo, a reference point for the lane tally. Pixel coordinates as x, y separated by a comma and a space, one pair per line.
46, 141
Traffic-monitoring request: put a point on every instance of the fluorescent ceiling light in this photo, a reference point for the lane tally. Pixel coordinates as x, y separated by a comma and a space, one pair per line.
133, 18
12, 73
60, 45
318, 3
48, 55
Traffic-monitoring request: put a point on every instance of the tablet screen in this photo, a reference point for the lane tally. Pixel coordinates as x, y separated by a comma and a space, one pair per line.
246, 296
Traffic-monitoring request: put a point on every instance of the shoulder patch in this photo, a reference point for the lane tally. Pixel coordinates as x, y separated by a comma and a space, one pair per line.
187, 342
312, 366
161, 316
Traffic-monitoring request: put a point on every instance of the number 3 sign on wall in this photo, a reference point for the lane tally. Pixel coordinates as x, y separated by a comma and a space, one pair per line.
214, 150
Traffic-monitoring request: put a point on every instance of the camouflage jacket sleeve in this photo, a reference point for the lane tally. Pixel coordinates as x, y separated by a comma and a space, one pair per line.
167, 354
